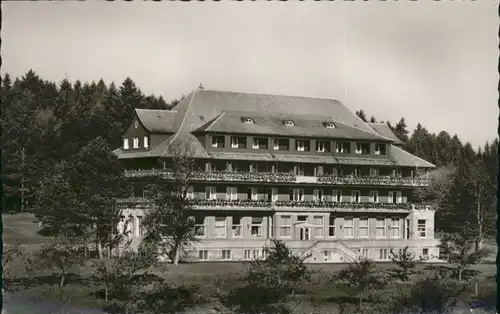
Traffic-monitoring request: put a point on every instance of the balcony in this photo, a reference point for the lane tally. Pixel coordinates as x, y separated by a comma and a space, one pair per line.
368, 180
231, 203
350, 206
285, 177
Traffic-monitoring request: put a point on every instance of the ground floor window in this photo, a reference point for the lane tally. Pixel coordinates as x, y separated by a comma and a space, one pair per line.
331, 227
383, 254
363, 253
422, 228
318, 230
200, 227
286, 226
220, 227
248, 255
348, 227
425, 253
203, 255
226, 255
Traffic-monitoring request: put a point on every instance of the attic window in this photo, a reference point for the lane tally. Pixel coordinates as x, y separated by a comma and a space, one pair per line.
136, 124
247, 120
289, 123
330, 125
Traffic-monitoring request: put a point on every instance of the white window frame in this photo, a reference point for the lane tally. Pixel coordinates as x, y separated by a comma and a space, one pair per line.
378, 151
247, 255
364, 227
211, 191
203, 227
125, 143
364, 253
190, 193
422, 230
395, 225
353, 196
358, 148
383, 255
248, 120
231, 193
234, 142
254, 194
349, 226
203, 255
226, 255
259, 227
383, 228
136, 142
276, 144
319, 227
255, 143
300, 145
289, 123
220, 224
337, 196
288, 226
399, 197
318, 195
237, 229
215, 143
321, 146
374, 197
146, 142
330, 126
298, 195
332, 227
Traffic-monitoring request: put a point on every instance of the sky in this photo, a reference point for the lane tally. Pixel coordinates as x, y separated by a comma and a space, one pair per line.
430, 62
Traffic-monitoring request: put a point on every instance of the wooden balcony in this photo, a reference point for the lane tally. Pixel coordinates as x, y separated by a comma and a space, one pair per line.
290, 205
285, 177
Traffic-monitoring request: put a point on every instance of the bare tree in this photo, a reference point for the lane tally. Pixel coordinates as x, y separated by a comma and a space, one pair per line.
169, 224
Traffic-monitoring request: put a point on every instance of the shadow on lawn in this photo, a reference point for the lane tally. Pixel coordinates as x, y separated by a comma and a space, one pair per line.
30, 282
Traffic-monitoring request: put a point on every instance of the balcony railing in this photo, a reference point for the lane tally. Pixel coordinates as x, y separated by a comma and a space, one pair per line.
372, 180
289, 204
284, 177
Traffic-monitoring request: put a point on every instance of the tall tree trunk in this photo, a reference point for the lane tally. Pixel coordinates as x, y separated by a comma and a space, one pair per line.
176, 254
61, 287
99, 249
480, 228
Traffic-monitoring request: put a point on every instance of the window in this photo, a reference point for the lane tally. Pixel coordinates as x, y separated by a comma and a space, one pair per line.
302, 145
362, 148
281, 144
289, 123
136, 142
299, 170
226, 255
217, 141
318, 195
330, 125
220, 227
363, 227
140, 231
145, 191
374, 196
355, 172
318, 230
247, 120
379, 149
286, 226
348, 227
395, 227
323, 146
343, 148
238, 142
231, 193
398, 173
146, 142
422, 228
259, 143
331, 226
125, 143
374, 172
199, 227
337, 196
383, 254
236, 227
302, 218
272, 194
327, 255
190, 193
356, 197
253, 194
395, 197
256, 254
257, 226
136, 124
364, 253
131, 220
425, 253
248, 255
203, 255
297, 195
380, 228
210, 193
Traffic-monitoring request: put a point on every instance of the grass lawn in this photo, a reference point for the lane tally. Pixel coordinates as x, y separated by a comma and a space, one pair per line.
21, 228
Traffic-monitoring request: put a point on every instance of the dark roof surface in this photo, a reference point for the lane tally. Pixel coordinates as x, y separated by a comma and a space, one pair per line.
157, 121
384, 130
304, 125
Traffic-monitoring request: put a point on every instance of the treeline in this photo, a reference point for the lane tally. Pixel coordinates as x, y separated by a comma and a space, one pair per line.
45, 123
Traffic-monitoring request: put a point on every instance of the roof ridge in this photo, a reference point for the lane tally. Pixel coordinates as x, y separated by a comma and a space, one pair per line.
182, 123
166, 110
264, 94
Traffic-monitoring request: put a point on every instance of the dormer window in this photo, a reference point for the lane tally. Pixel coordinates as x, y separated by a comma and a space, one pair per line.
379, 149
136, 124
125, 143
146, 142
289, 123
329, 125
247, 120
136, 142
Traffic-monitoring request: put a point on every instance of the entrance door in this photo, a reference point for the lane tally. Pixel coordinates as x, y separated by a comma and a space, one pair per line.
305, 234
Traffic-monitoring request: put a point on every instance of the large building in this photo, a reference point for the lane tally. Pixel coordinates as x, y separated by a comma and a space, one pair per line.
303, 170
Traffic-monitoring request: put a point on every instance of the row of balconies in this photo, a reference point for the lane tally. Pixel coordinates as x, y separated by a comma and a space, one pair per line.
222, 203
285, 177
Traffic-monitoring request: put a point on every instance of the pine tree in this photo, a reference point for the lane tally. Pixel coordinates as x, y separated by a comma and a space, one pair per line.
361, 114
400, 130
